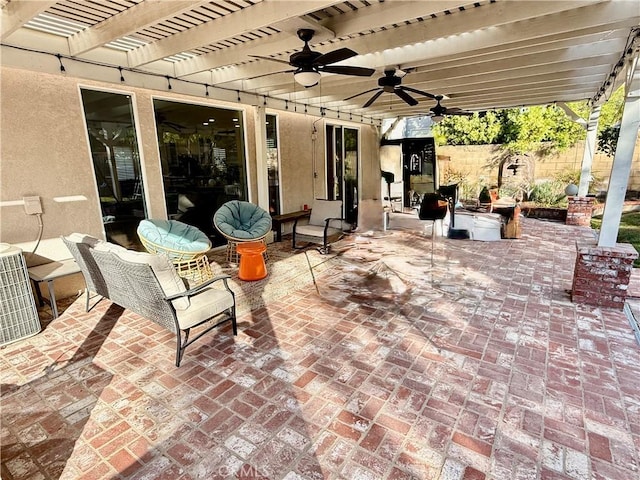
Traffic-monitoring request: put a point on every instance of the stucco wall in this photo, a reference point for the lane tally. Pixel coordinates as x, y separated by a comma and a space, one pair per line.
479, 164
44, 152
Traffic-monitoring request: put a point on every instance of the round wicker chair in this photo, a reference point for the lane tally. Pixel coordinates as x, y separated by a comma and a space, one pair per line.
240, 221
185, 245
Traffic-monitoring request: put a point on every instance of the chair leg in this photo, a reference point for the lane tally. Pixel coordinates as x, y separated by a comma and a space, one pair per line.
181, 346
234, 324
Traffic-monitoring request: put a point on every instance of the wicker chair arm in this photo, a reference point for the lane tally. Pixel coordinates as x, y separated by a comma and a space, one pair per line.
194, 291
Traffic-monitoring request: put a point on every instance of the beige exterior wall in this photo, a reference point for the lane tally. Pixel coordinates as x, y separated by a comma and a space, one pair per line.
479, 164
44, 151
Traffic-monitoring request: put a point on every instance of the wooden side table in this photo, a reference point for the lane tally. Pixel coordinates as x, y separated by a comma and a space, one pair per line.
278, 220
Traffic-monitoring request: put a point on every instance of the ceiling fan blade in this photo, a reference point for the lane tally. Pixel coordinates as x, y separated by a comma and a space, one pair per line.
361, 93
270, 59
420, 92
405, 96
346, 70
373, 99
459, 112
334, 56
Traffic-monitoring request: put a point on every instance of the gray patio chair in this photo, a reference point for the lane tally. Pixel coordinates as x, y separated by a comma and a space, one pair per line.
324, 226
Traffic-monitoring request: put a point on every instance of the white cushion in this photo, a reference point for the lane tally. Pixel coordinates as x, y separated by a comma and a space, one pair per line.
316, 231
84, 238
323, 209
165, 272
209, 302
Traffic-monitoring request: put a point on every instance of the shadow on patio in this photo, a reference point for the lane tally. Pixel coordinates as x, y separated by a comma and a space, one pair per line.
478, 367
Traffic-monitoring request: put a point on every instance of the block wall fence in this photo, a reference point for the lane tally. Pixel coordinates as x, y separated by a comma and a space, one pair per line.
480, 163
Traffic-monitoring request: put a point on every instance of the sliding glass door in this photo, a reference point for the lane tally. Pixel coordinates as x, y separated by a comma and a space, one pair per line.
273, 165
342, 169
116, 162
203, 161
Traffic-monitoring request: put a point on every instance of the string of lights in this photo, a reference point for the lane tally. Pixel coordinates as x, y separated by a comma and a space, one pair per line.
631, 49
274, 102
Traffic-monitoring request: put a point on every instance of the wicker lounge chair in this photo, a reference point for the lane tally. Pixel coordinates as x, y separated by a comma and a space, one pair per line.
185, 245
239, 222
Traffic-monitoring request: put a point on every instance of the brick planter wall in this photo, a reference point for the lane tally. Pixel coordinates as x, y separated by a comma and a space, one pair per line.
601, 275
579, 211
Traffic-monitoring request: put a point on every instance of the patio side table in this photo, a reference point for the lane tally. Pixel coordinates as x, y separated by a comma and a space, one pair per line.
48, 272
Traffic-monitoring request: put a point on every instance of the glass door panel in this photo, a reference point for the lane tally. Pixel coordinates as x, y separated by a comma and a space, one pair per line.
203, 161
114, 150
273, 165
342, 169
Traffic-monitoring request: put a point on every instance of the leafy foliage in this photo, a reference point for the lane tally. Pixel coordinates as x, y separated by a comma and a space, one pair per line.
548, 194
522, 130
474, 130
608, 140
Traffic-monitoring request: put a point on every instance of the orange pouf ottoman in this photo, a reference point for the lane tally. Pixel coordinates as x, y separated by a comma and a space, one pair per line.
252, 266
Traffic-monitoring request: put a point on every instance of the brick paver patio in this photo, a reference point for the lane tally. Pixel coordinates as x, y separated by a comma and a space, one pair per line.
479, 367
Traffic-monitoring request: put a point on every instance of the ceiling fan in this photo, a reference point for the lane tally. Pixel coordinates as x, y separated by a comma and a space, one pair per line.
391, 83
439, 111
308, 64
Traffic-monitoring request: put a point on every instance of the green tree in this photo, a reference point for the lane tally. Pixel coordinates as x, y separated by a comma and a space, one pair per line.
474, 130
528, 129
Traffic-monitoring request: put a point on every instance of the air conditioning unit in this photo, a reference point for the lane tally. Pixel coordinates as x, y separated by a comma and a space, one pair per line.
18, 311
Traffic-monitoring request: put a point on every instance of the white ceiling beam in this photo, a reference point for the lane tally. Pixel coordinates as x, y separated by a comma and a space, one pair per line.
462, 84
471, 57
396, 11
597, 54
260, 15
18, 12
406, 46
138, 17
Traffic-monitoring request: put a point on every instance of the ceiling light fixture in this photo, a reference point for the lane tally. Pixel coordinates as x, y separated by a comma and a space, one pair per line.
436, 118
307, 77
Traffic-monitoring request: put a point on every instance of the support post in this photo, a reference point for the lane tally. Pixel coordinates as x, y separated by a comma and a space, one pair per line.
589, 151
621, 164
261, 157
602, 272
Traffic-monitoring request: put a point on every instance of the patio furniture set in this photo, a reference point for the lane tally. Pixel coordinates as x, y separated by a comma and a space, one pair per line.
173, 284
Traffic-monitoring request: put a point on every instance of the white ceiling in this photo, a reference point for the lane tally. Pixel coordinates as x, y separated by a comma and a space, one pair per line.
482, 55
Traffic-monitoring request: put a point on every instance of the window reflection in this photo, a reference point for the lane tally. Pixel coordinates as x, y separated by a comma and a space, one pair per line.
203, 164
116, 162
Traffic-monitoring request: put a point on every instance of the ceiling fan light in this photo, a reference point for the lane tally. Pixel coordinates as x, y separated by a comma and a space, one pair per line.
307, 78
437, 118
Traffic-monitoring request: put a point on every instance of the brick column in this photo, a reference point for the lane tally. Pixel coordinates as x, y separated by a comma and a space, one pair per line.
579, 211
601, 275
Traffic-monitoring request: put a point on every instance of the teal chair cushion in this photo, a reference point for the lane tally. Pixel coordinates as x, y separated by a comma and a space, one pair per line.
242, 220
174, 235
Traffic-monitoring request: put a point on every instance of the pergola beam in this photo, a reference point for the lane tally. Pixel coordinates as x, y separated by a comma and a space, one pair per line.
138, 17
18, 12
260, 15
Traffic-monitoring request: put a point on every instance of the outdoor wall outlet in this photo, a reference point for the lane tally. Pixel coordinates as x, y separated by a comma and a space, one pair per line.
32, 205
